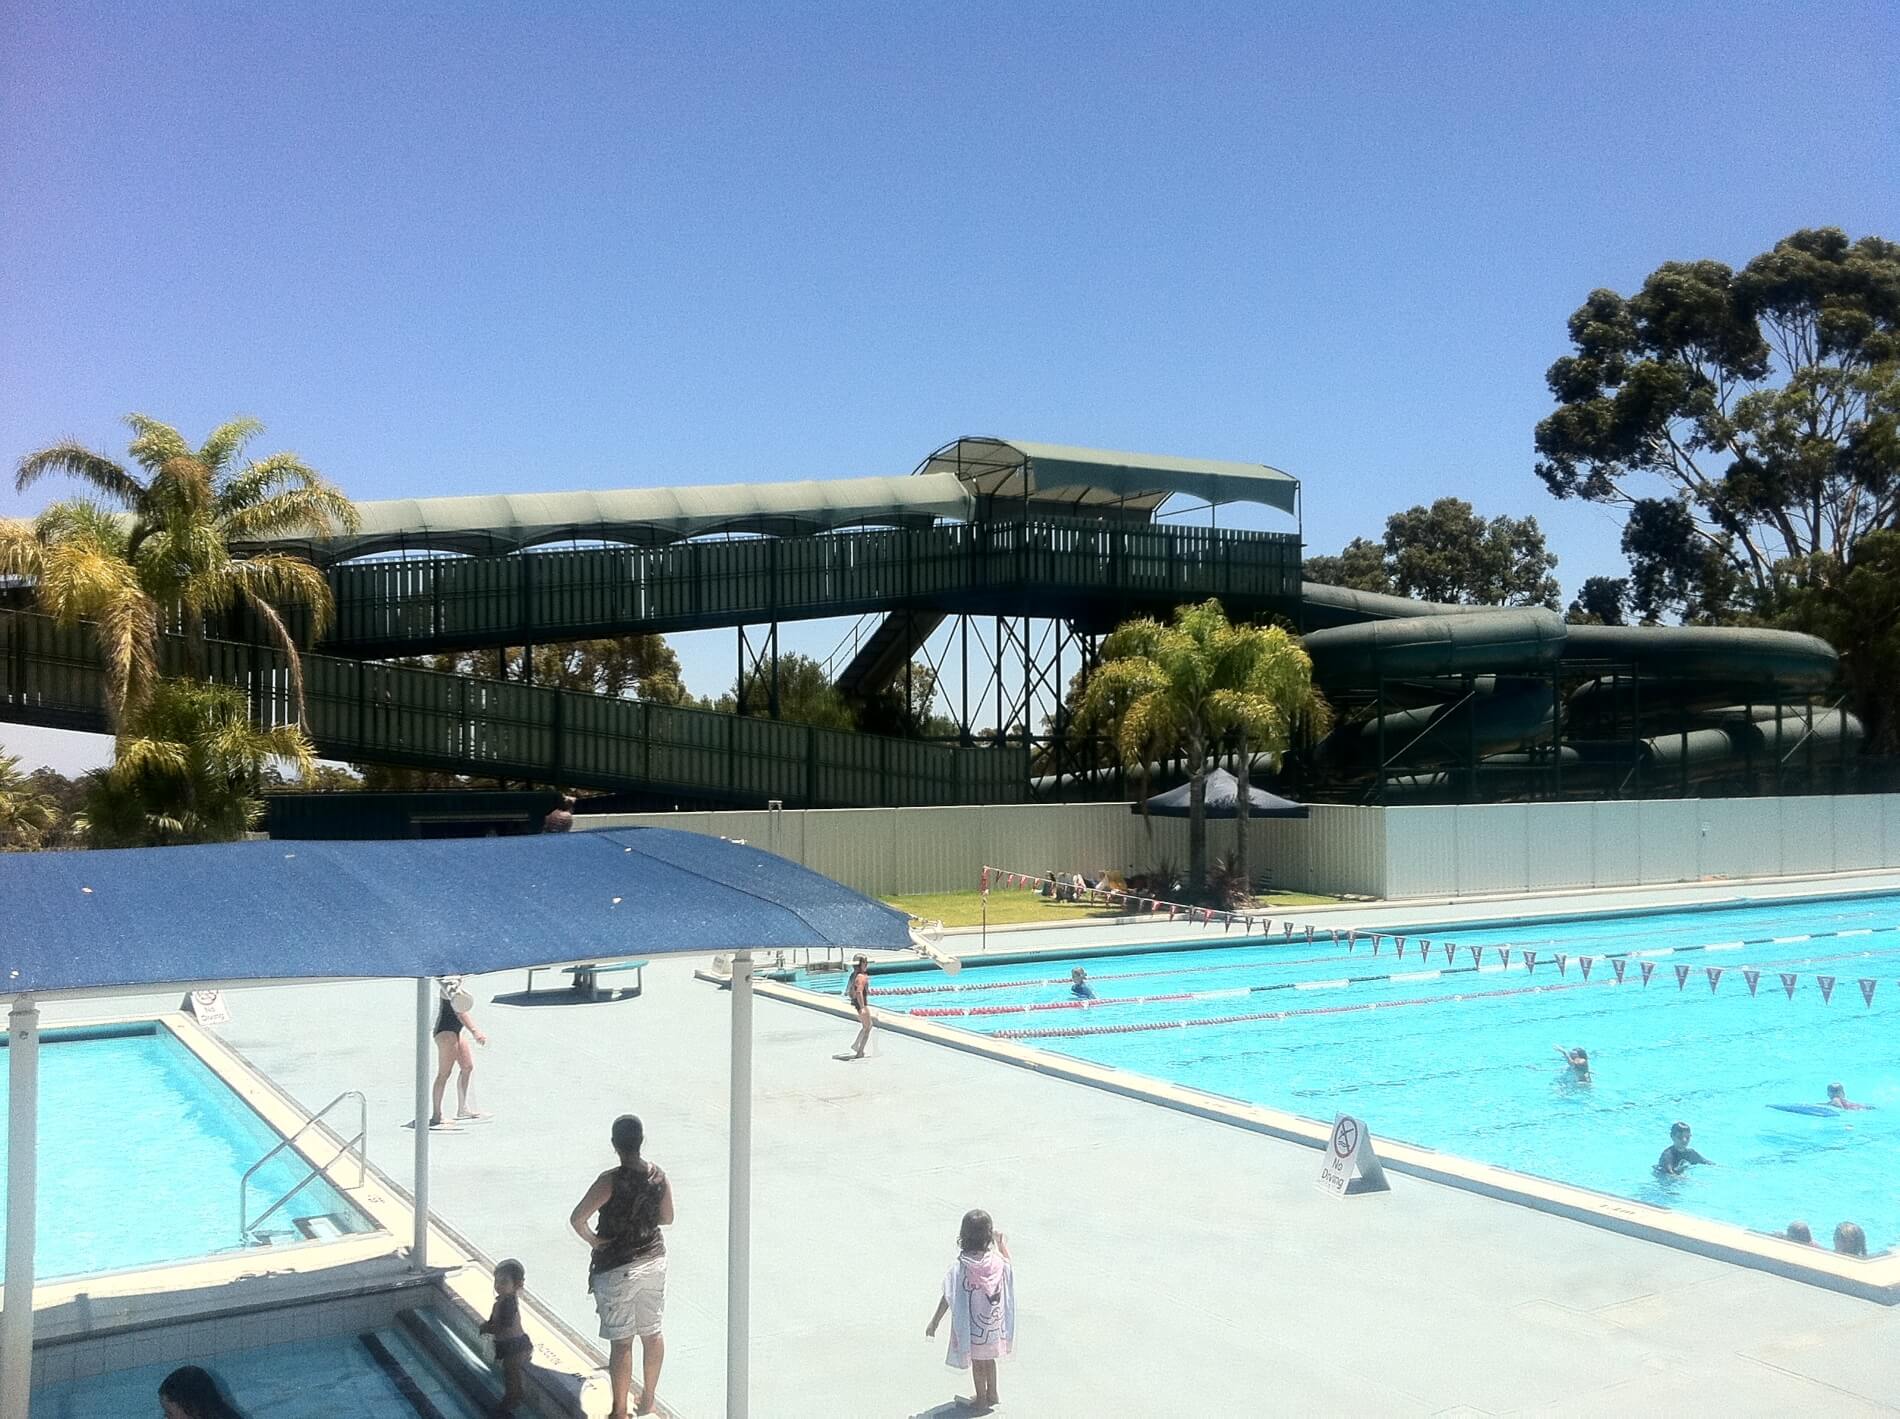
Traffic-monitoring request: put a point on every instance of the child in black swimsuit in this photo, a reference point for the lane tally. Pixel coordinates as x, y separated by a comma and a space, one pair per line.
512, 1346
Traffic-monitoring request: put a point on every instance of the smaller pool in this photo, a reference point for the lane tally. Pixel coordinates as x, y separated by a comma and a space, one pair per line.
141, 1151
381, 1374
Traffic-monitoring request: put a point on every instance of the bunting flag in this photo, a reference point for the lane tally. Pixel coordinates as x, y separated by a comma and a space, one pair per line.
1618, 964
1648, 969
1477, 957
1715, 977
1309, 936
1451, 951
1682, 975
1504, 955
1867, 990
1787, 983
1752, 977
1401, 945
1170, 911
1584, 963
1286, 930
1375, 945
1530, 961
1352, 938
1424, 949
1335, 936
1827, 988
1560, 965
983, 882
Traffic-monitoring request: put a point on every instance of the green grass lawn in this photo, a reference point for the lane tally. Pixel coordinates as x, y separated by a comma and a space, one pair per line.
1009, 906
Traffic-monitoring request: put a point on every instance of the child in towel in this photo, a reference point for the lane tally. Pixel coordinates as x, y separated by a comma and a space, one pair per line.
979, 1295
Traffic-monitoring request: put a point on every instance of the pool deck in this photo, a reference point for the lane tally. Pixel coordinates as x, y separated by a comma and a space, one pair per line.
1169, 1265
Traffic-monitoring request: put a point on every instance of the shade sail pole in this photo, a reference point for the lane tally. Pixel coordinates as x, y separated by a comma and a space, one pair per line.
739, 1208
23, 1098
425, 1080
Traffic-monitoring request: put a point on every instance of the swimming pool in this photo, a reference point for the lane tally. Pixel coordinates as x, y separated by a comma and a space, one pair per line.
1456, 1052
380, 1374
141, 1150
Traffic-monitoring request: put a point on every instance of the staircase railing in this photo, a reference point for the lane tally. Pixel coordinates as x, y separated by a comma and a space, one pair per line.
359, 1141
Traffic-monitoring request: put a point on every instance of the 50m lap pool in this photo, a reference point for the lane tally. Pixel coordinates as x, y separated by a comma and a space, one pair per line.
142, 1151
1714, 1017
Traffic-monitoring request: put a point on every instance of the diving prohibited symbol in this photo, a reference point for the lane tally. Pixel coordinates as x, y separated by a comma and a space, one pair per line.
1345, 1137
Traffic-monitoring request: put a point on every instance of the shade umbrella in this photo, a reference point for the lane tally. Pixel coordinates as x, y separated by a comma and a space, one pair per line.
1222, 801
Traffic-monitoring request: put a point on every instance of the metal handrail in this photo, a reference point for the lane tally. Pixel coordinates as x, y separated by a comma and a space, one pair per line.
360, 1142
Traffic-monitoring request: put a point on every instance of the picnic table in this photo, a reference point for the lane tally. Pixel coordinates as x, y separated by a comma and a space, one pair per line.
585, 976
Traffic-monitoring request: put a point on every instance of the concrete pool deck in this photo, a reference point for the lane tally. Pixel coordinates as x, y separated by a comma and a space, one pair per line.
1168, 1265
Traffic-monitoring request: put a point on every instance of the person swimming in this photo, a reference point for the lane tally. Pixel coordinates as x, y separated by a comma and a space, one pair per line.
1079, 985
1677, 1157
1577, 1058
1837, 1098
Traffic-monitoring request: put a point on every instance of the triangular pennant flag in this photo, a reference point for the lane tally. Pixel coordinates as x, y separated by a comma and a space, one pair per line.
983, 882
1648, 969
1787, 983
1715, 977
1309, 936
1504, 955
1751, 977
1618, 964
1424, 949
1560, 964
1170, 911
1530, 960
1375, 945
1867, 985
1584, 963
1400, 940
1352, 938
1477, 957
1682, 975
1827, 988
1286, 930
1335, 936
1451, 951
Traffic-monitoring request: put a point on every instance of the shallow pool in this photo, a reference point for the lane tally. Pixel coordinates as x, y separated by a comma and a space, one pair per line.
1457, 1052
378, 1375
141, 1149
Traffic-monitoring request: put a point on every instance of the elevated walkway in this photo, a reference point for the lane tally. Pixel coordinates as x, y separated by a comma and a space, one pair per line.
389, 714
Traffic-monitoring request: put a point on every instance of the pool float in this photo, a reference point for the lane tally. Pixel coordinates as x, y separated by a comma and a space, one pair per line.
1817, 1110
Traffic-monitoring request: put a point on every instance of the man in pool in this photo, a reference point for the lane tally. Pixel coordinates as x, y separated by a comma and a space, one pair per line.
1578, 1060
1837, 1098
1677, 1157
1079, 985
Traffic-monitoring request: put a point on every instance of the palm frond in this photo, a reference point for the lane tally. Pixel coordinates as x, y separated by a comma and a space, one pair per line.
75, 460
280, 633
154, 444
226, 443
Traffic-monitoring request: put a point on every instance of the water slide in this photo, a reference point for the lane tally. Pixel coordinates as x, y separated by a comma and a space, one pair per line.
1448, 684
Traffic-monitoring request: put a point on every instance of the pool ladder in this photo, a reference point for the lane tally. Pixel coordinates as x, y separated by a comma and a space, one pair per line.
359, 1142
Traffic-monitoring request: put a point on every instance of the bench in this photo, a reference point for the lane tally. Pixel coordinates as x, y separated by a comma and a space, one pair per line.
585, 977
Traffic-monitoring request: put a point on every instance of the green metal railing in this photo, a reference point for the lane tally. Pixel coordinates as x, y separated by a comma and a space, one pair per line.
413, 604
367, 712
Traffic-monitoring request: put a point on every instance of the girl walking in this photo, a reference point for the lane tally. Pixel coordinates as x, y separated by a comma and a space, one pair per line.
979, 1295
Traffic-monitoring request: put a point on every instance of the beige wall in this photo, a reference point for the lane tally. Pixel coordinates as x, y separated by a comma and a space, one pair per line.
1370, 852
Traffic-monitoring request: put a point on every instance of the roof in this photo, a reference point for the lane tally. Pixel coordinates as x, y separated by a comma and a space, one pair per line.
257, 911
1099, 477
507, 522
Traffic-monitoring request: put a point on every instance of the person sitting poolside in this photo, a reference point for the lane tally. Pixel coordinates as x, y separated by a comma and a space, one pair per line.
1798, 1232
1837, 1097
1850, 1240
1578, 1059
1079, 985
1677, 1157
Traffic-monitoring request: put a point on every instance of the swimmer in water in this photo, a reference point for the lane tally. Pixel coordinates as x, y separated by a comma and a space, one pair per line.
1677, 1157
1079, 985
1837, 1097
1578, 1059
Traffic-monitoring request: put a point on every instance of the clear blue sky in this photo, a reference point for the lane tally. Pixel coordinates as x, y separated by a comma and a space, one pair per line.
458, 248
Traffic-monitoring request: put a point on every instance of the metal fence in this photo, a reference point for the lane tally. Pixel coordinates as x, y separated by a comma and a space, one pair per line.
399, 606
377, 713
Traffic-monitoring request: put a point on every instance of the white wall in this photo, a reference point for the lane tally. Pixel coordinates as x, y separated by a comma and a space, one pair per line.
1371, 852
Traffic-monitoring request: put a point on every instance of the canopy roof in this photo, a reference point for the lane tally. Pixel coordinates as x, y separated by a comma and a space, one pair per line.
1222, 801
256, 911
1099, 477
507, 522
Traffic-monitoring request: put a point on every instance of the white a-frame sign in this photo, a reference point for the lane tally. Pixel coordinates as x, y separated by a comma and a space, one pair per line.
1351, 1167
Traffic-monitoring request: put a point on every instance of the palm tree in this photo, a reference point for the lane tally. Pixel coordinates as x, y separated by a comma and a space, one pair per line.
1178, 688
190, 771
168, 553
26, 814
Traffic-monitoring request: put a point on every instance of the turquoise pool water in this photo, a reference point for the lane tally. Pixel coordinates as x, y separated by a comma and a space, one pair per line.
140, 1154
380, 1375
1463, 1060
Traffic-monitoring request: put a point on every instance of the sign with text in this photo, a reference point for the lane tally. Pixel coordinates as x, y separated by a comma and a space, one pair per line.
1351, 1167
207, 1007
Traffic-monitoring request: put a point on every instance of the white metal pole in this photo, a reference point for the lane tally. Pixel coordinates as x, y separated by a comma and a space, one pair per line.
739, 1207
23, 1097
425, 1081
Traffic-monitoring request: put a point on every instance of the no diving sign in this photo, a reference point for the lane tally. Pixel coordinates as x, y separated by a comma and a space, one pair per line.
1351, 1167
207, 1007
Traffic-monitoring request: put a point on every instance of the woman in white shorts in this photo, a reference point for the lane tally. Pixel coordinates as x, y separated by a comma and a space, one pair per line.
627, 1206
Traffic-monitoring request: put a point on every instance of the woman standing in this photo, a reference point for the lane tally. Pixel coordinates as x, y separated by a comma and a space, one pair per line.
627, 1273
451, 1049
